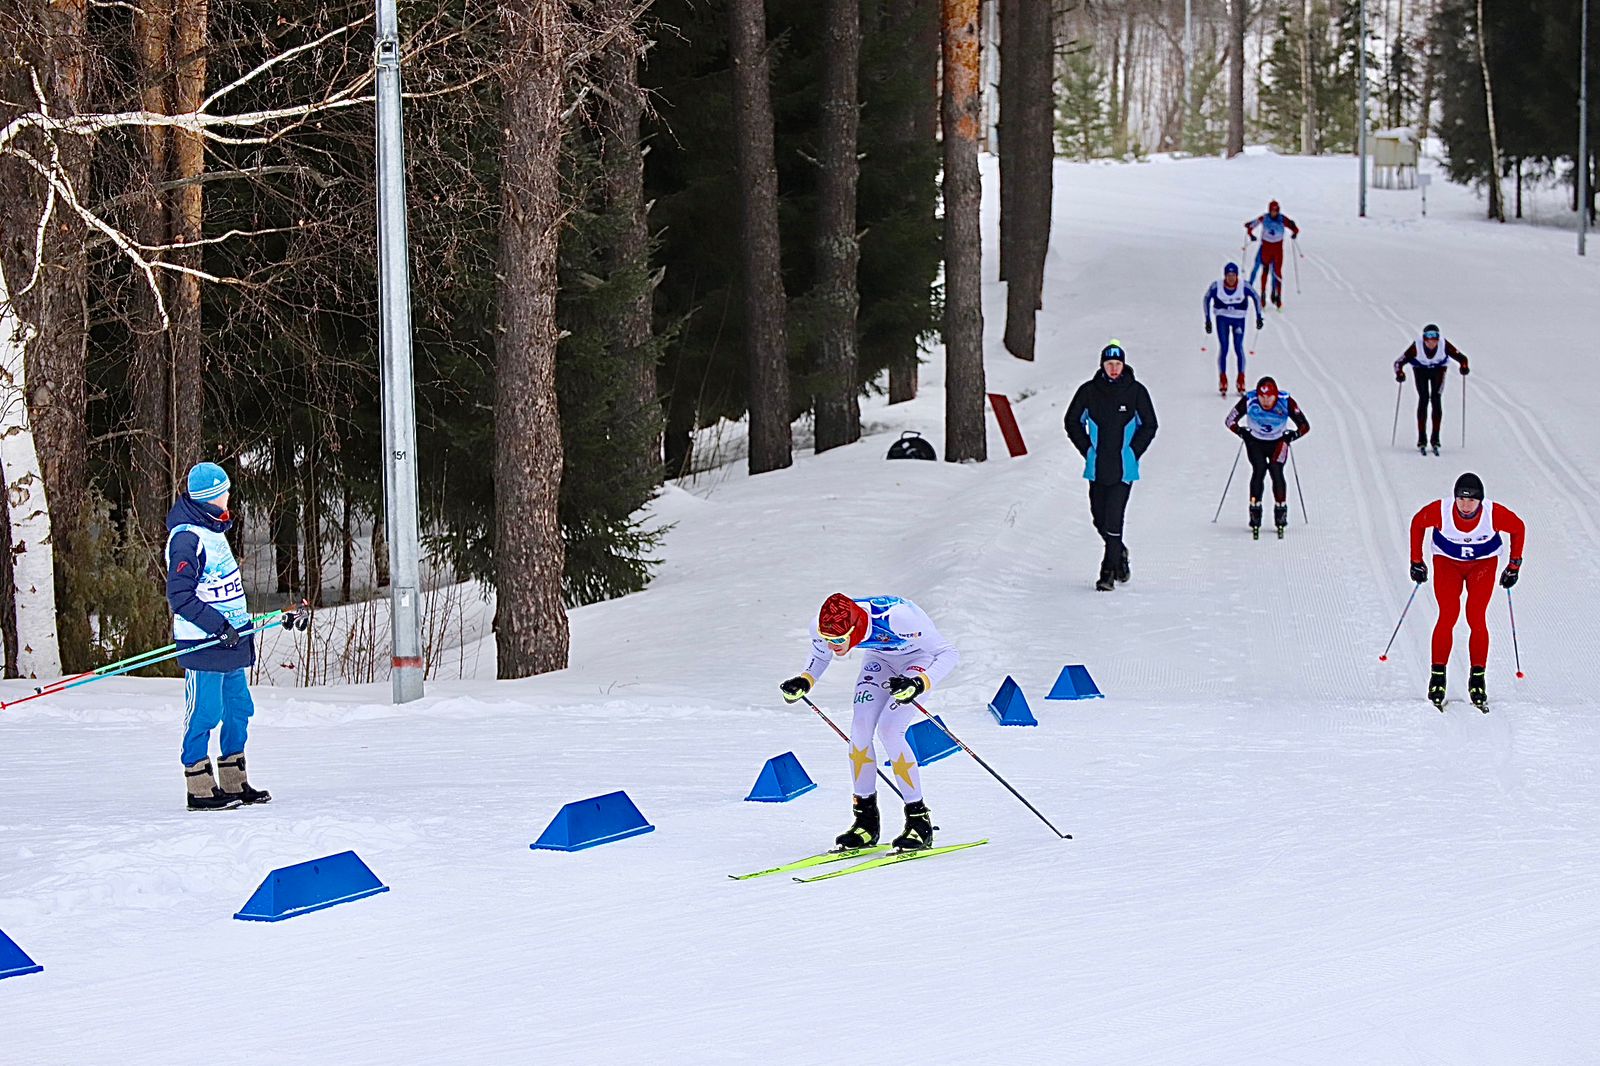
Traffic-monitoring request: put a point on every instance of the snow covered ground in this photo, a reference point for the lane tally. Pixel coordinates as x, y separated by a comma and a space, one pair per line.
1282, 854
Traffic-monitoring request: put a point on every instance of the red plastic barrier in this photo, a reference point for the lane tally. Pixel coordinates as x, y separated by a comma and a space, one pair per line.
1008, 424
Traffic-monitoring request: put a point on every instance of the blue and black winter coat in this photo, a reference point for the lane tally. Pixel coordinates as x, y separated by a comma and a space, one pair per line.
204, 588
1111, 423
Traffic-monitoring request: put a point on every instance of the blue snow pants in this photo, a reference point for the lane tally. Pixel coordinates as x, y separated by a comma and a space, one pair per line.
1227, 327
210, 698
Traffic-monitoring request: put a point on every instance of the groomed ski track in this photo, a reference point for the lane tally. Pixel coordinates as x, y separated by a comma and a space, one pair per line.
1283, 854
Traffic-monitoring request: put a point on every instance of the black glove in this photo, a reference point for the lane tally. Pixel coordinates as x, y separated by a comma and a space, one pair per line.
1291, 435
1464, 370
1240, 432
229, 637
1399, 375
1419, 572
906, 689
1260, 323
1208, 327
1252, 238
1508, 576
795, 688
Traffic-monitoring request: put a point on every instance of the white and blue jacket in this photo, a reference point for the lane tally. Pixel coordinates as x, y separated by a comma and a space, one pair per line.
1230, 305
205, 588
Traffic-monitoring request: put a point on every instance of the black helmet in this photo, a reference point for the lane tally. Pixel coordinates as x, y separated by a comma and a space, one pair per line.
1469, 486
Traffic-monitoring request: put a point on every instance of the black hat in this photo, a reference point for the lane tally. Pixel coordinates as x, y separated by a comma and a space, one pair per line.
1469, 486
1113, 351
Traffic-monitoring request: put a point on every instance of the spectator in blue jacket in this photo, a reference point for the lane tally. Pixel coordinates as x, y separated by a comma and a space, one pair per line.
211, 624
1111, 422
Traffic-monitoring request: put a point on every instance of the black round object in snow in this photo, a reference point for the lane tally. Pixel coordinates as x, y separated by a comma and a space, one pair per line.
911, 446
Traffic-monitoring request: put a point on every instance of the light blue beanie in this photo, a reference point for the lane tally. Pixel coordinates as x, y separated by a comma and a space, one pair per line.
207, 481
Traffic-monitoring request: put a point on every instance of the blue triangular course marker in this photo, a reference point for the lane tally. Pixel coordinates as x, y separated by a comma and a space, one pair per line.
781, 780
1075, 684
14, 962
928, 742
291, 891
590, 822
1010, 706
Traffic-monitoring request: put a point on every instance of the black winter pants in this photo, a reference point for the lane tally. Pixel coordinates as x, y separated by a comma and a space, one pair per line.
1430, 390
1264, 460
1108, 502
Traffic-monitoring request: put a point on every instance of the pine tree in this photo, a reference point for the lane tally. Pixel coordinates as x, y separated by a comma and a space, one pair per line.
1083, 129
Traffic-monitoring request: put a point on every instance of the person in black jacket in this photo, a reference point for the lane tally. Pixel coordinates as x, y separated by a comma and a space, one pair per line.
1111, 422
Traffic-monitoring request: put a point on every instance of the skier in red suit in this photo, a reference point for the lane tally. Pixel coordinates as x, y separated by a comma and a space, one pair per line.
1273, 225
1469, 534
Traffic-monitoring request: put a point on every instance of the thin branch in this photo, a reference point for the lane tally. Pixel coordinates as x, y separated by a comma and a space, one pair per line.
273, 61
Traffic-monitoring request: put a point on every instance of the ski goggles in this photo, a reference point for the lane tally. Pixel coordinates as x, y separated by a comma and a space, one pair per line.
838, 642
1112, 351
1430, 335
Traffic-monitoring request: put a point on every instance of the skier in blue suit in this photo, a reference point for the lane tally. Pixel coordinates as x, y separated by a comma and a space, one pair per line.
1231, 301
211, 623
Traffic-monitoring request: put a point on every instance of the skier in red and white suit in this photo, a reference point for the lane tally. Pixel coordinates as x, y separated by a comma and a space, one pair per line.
1469, 534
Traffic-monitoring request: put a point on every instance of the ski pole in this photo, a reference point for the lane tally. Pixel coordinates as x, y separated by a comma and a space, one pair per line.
1514, 649
1464, 416
1385, 656
962, 745
1296, 468
139, 665
144, 658
846, 738
1229, 485
1394, 427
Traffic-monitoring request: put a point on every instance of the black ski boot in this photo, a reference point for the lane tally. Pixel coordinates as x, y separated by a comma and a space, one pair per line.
919, 828
1280, 517
1477, 690
1255, 521
1125, 571
204, 795
1108, 580
1422, 440
864, 832
235, 783
1436, 686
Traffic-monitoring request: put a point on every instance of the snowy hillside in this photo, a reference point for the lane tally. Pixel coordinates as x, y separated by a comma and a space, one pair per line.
1282, 853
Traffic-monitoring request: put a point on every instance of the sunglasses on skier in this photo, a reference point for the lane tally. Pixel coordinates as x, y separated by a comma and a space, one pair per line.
1431, 335
839, 641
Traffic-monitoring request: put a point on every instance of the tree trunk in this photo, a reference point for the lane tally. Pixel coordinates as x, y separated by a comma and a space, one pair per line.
530, 618
190, 41
151, 369
1031, 119
1236, 27
838, 248
281, 517
1308, 96
621, 114
919, 23
1011, 103
766, 343
1119, 132
347, 542
311, 519
965, 437
1425, 107
51, 39
1497, 196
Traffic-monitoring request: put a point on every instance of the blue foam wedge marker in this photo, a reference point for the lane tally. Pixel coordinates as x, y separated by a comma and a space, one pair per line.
291, 891
1075, 684
928, 742
590, 822
14, 962
1010, 706
781, 780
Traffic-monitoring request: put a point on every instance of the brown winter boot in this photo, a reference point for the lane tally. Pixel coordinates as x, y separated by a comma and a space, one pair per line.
204, 795
234, 783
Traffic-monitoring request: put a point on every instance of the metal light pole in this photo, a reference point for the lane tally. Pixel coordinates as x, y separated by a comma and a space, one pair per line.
1361, 129
394, 356
1583, 132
